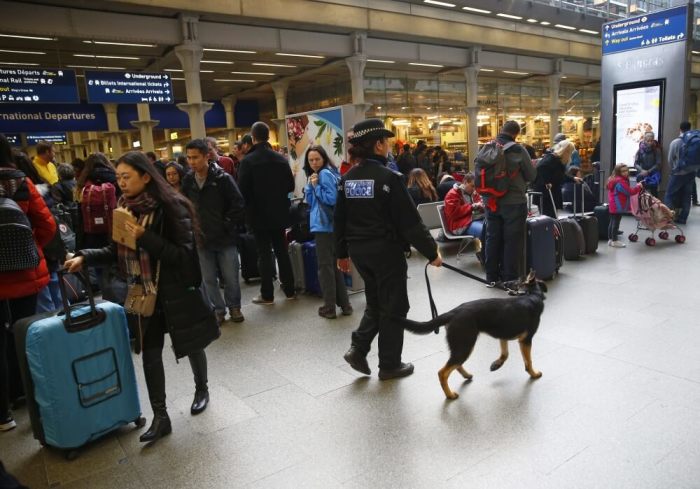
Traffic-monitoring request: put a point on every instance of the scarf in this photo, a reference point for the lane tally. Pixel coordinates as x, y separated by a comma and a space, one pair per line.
137, 263
647, 148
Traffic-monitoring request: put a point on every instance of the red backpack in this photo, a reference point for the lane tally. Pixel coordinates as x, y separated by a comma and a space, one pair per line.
97, 204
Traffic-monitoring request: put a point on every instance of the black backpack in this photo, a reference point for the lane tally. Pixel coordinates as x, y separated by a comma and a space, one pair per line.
18, 251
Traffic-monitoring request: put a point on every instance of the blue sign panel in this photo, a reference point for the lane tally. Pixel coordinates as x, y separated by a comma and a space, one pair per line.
49, 137
37, 85
59, 117
13, 139
662, 27
128, 88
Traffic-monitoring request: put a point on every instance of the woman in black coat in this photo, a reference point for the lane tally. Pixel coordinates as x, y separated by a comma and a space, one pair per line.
165, 263
551, 174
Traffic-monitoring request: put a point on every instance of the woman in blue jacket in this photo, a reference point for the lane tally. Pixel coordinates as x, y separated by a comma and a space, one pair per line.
320, 192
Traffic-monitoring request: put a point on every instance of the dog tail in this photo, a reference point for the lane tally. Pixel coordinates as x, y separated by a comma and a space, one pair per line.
427, 327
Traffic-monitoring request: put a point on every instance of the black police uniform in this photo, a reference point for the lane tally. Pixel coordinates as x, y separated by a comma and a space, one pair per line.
375, 220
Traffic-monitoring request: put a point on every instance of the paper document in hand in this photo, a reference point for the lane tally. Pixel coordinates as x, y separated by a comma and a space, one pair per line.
119, 232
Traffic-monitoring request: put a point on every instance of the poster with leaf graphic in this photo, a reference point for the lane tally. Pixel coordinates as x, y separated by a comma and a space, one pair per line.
317, 128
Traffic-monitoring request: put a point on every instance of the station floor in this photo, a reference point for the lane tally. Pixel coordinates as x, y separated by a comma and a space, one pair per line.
616, 407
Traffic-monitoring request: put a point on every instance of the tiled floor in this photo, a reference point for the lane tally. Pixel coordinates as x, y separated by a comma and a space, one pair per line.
616, 408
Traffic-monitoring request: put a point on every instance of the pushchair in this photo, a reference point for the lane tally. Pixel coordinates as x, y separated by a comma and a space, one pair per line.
652, 215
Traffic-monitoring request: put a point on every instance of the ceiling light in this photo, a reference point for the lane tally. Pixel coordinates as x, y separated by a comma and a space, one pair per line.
486, 69
426, 64
233, 80
130, 44
441, 4
230, 51
515, 72
544, 22
381, 61
178, 79
97, 67
18, 64
20, 52
260, 73
274, 65
587, 31
695, 52
211, 61
567, 27
172, 69
33, 38
532, 21
104, 56
379, 106
508, 16
477, 10
300, 55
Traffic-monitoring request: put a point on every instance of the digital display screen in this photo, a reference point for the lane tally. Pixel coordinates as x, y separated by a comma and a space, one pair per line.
638, 109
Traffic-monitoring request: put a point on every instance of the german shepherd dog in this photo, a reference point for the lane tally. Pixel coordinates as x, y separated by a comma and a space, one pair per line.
516, 317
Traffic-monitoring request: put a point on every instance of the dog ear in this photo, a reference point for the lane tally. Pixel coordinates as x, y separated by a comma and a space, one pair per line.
530, 276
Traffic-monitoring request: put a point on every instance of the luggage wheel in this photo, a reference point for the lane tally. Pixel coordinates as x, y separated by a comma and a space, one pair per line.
140, 422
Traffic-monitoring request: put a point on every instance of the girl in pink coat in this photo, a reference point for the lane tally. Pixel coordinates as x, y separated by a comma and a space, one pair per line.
619, 193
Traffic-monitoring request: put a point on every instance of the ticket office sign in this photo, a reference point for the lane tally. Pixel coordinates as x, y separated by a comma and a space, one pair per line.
105, 87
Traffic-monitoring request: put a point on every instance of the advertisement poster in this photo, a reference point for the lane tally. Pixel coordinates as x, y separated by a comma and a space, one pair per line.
321, 127
638, 110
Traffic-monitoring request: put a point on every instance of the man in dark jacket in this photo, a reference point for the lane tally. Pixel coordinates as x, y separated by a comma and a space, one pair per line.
219, 207
266, 180
406, 161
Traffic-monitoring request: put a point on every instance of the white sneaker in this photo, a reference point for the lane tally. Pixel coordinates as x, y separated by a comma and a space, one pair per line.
7, 423
619, 244
610, 242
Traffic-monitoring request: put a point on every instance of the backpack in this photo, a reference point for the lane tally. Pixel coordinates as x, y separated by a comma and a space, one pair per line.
689, 154
97, 204
491, 175
18, 250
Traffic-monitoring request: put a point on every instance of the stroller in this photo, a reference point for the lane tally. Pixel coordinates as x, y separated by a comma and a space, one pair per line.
652, 215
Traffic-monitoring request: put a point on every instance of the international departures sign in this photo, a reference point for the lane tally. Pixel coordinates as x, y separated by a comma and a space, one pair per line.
663, 27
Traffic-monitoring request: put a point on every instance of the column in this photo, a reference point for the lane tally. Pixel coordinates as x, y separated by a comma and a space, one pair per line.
130, 141
280, 88
554, 84
145, 126
190, 54
230, 108
168, 143
93, 142
77, 144
113, 130
356, 66
471, 73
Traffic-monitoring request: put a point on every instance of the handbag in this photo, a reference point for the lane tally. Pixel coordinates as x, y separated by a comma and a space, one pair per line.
190, 320
139, 301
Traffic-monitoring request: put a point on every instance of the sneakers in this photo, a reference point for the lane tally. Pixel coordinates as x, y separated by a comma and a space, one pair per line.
327, 312
403, 370
357, 360
347, 310
7, 423
262, 301
616, 244
236, 314
477, 245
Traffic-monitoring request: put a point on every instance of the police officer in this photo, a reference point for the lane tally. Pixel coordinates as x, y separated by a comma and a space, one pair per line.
375, 222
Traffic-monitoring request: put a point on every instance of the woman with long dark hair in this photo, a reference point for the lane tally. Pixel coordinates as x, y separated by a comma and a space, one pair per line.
321, 193
174, 174
420, 188
164, 263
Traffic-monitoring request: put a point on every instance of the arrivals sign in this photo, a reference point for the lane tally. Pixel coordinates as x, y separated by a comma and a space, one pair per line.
662, 27
128, 88
28, 85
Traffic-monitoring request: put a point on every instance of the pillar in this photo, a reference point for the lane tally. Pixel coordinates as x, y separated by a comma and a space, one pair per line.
471, 73
190, 55
356, 66
145, 126
93, 142
554, 84
78, 145
113, 133
168, 144
230, 108
130, 141
280, 88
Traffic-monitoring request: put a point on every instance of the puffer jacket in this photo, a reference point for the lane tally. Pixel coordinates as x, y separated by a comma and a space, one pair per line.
16, 186
459, 212
619, 193
322, 199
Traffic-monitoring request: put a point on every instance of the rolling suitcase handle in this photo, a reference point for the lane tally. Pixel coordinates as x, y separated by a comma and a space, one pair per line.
554, 206
84, 321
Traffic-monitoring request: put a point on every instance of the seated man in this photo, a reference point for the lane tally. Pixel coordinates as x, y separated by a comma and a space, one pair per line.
464, 211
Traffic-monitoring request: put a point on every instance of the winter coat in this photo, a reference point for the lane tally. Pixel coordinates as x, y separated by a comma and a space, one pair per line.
219, 206
648, 158
459, 210
418, 197
550, 170
619, 193
22, 283
265, 179
516, 157
322, 199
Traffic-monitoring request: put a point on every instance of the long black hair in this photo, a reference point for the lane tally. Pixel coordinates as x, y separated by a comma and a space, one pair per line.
169, 198
324, 156
364, 149
93, 161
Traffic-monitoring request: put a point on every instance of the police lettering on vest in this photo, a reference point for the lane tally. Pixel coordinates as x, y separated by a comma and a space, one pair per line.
359, 189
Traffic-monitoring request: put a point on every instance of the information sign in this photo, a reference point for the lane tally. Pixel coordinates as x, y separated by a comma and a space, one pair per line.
37, 85
662, 27
13, 139
128, 88
49, 137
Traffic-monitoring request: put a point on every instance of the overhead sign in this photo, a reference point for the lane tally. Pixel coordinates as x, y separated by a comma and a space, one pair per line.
37, 85
58, 117
662, 27
49, 137
128, 88
13, 139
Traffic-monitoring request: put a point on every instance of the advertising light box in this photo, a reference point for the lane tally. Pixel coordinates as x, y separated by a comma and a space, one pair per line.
638, 108
105, 87
49, 137
37, 85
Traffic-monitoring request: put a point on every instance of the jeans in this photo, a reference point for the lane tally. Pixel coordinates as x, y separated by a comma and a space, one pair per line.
331, 279
679, 194
49, 298
266, 241
614, 226
505, 242
226, 260
475, 228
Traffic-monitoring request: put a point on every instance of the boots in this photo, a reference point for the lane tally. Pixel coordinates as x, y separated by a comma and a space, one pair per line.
198, 362
155, 382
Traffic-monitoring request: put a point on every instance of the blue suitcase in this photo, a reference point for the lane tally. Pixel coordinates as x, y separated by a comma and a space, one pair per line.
79, 373
308, 251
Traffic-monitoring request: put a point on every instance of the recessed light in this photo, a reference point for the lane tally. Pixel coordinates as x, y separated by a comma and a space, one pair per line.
486, 69
381, 61
233, 80
178, 79
441, 4
563, 26
508, 16
172, 69
104, 56
515, 72
533, 21
426, 64
96, 67
477, 10
274, 65
18, 64
131, 44
588, 31
229, 51
300, 55
544, 22
379, 106
20, 52
33, 38
252, 73
212, 61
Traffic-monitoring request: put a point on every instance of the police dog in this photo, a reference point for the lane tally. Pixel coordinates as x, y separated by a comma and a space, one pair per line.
509, 318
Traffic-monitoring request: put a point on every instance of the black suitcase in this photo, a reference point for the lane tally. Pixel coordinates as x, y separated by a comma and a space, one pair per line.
249, 257
602, 213
541, 247
589, 227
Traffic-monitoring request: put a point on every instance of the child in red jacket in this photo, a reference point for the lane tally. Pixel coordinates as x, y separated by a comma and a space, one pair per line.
619, 193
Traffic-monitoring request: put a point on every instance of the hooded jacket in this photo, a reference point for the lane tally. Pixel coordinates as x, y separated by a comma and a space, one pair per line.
459, 210
322, 199
619, 193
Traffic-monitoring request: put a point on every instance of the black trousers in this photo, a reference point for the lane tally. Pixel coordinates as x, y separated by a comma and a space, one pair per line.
382, 266
505, 242
11, 310
267, 241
